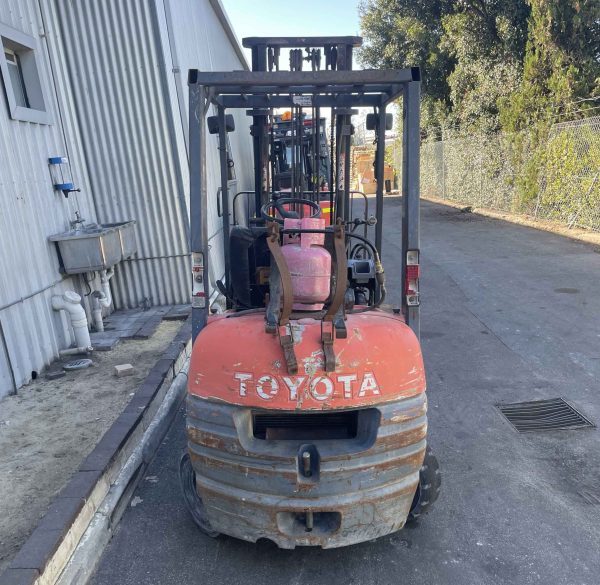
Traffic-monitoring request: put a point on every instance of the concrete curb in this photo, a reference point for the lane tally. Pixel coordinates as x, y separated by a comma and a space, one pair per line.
84, 559
96, 495
554, 227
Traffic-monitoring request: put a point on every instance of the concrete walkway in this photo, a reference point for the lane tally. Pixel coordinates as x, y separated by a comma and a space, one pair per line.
509, 314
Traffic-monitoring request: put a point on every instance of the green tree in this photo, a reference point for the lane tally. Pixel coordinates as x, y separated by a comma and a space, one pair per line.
561, 63
561, 68
405, 33
470, 53
487, 41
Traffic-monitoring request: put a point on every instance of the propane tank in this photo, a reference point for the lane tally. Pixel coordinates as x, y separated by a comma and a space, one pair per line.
309, 263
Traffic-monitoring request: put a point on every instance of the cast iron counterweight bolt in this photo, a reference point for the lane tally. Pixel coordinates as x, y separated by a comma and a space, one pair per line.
306, 463
309, 520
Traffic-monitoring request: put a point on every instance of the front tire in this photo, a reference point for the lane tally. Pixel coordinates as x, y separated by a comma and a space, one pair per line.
428, 489
193, 502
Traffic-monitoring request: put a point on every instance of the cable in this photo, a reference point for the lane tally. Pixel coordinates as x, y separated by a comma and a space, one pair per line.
87, 282
246, 312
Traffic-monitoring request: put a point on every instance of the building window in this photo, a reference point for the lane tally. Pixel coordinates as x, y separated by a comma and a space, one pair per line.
22, 85
15, 72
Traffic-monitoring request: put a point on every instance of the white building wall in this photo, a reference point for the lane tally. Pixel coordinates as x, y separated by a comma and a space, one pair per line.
30, 211
132, 109
126, 118
115, 79
198, 40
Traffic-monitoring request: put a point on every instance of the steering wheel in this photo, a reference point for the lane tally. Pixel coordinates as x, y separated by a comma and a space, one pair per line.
277, 205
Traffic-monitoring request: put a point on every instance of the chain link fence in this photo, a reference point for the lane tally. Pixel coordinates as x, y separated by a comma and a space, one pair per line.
483, 171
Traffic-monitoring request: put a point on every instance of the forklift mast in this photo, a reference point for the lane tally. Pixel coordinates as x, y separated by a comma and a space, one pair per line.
327, 53
314, 158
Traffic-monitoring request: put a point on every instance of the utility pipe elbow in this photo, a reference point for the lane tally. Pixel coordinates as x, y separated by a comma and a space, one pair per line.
70, 302
105, 276
101, 299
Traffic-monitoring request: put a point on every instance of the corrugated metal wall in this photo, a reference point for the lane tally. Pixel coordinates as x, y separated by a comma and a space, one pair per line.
118, 71
126, 120
198, 41
128, 103
30, 211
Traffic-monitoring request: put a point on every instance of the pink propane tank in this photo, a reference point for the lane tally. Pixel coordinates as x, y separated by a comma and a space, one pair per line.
308, 262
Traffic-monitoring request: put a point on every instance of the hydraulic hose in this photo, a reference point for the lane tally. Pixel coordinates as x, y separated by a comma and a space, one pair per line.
245, 312
357, 247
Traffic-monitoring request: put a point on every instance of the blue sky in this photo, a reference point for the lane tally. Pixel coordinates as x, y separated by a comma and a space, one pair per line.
259, 18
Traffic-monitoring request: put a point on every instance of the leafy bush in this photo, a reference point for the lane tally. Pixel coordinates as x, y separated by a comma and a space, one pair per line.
557, 177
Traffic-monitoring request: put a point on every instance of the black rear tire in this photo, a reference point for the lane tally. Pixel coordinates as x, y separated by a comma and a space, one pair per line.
193, 502
428, 490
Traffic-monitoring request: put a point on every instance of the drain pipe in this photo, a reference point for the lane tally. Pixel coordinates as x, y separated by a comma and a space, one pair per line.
102, 298
70, 302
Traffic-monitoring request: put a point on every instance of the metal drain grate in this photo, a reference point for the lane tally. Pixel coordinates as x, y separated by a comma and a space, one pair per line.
78, 364
543, 415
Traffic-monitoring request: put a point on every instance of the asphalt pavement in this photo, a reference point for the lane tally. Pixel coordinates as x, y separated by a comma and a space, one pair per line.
509, 314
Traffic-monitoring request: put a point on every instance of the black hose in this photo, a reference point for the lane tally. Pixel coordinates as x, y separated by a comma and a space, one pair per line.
246, 312
368, 243
347, 234
379, 275
358, 247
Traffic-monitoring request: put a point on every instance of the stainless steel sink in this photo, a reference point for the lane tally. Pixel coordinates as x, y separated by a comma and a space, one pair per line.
126, 236
95, 247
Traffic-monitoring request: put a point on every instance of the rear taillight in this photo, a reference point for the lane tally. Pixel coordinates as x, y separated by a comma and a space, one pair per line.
411, 278
198, 293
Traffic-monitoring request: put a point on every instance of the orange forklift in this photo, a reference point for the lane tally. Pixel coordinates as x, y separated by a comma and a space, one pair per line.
306, 409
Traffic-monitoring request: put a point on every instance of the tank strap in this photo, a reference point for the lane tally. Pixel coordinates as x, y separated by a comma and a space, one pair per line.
284, 273
287, 298
329, 354
341, 273
287, 344
335, 313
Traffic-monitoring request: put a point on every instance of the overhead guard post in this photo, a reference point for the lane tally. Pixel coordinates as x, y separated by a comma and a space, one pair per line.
198, 199
410, 187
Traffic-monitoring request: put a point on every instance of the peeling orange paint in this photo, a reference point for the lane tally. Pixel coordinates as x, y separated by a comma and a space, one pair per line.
233, 359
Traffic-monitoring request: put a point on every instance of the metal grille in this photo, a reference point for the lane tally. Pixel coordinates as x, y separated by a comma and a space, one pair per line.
543, 415
314, 426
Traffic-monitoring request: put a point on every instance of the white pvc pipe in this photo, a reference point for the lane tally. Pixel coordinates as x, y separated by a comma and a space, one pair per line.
97, 311
105, 276
74, 351
70, 302
102, 298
